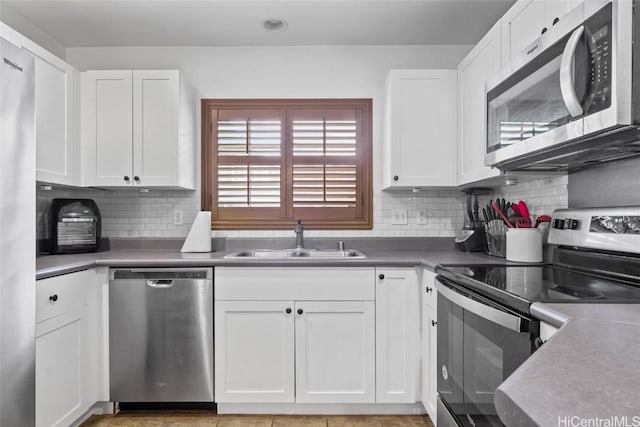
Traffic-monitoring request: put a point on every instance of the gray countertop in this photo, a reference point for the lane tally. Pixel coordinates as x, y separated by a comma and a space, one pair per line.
590, 369
54, 265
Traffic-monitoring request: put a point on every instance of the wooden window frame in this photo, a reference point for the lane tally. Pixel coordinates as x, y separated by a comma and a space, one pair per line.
249, 218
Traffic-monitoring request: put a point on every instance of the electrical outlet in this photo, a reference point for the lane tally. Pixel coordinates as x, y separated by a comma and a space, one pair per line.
178, 217
399, 216
421, 217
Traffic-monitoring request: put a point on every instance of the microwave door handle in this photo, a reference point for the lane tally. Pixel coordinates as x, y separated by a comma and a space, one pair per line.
567, 84
491, 314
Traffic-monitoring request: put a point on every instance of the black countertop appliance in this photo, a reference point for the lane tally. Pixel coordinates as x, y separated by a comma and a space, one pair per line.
75, 226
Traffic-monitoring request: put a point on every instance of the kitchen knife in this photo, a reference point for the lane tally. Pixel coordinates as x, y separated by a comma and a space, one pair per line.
504, 218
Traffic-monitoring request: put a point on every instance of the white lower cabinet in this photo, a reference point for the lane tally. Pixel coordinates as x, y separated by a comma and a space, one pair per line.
335, 351
69, 352
254, 345
429, 341
59, 385
316, 347
397, 335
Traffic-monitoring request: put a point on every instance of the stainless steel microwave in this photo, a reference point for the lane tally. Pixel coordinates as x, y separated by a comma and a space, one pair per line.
572, 98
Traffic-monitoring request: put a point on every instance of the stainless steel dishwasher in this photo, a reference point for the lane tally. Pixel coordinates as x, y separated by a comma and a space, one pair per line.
161, 334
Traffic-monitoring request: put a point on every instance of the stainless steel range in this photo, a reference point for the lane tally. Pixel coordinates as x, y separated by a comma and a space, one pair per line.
485, 329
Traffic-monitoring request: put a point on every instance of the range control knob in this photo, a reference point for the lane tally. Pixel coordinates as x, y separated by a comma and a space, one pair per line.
571, 224
566, 224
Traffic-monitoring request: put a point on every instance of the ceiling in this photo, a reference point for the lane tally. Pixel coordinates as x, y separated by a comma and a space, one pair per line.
92, 23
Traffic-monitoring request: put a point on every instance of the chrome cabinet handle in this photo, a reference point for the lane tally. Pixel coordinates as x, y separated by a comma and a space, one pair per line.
434, 323
567, 82
288, 311
381, 276
300, 311
429, 289
53, 298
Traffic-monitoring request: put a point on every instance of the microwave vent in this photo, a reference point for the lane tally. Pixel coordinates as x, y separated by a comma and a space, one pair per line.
621, 143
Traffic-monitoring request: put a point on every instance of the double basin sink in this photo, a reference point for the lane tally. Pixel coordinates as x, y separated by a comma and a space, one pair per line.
297, 253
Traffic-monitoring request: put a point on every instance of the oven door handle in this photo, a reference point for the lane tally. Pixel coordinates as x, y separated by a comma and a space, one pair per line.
567, 65
494, 315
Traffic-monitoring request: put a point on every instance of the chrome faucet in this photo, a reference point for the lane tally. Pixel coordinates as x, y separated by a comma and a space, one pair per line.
299, 235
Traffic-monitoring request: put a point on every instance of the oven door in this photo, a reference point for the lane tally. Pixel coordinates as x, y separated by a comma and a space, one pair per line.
480, 343
564, 87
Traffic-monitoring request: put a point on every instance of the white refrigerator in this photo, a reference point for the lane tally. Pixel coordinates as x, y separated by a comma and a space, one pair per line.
17, 237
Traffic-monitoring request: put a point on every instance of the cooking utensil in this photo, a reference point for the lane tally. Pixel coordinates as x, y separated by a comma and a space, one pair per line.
501, 214
541, 219
523, 222
524, 209
484, 214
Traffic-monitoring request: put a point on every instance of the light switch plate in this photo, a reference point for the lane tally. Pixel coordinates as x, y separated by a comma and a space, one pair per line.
421, 217
399, 216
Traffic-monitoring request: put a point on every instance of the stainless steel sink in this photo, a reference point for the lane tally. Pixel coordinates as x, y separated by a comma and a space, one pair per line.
297, 253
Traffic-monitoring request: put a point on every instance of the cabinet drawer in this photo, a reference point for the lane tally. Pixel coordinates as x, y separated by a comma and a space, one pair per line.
294, 283
58, 295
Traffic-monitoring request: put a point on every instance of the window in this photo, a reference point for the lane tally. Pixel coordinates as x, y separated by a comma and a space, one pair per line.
267, 163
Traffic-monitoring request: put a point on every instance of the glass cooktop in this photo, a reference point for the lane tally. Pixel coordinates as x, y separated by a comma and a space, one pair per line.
541, 283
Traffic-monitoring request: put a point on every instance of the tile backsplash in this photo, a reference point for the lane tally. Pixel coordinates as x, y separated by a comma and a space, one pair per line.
543, 196
135, 214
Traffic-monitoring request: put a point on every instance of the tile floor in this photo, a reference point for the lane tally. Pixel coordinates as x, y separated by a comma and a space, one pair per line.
205, 419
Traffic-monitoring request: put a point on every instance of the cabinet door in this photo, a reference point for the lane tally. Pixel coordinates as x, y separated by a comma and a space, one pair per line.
429, 342
56, 104
107, 151
555, 9
254, 359
521, 26
335, 352
481, 63
156, 137
420, 129
69, 347
397, 335
56, 88
59, 388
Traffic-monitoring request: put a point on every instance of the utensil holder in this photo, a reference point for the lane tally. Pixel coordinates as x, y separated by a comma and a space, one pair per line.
524, 245
496, 232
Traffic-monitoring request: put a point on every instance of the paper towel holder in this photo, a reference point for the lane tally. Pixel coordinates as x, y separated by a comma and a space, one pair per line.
199, 237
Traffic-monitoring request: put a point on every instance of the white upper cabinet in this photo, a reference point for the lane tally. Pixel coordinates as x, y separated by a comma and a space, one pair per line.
527, 20
474, 70
56, 103
107, 124
420, 130
138, 129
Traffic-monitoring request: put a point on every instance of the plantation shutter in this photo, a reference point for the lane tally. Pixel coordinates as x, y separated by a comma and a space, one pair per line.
268, 163
326, 182
249, 163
